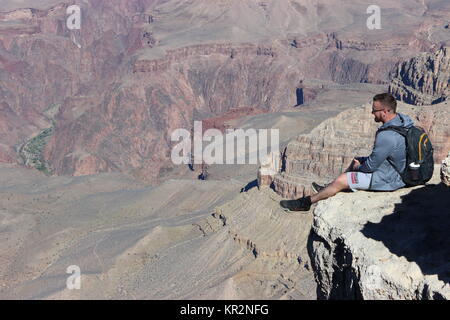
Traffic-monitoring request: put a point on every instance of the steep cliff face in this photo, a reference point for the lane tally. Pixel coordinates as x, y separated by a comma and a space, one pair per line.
130, 130
423, 80
277, 241
328, 150
393, 245
42, 69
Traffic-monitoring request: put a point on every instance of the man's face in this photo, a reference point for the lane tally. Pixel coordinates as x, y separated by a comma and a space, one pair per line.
378, 111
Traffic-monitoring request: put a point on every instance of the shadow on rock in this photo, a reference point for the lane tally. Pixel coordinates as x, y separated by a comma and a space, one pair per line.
250, 185
418, 230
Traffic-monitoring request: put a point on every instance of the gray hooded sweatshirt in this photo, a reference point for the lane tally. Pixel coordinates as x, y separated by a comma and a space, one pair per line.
389, 150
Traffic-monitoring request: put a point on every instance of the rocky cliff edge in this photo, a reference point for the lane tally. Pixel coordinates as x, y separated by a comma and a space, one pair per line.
383, 245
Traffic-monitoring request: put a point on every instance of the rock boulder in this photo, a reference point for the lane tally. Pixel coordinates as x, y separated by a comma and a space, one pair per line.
445, 171
383, 245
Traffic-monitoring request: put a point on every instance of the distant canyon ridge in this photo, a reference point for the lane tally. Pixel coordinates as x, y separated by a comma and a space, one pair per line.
144, 68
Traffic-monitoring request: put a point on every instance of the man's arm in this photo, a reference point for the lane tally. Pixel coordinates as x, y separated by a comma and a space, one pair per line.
361, 159
384, 144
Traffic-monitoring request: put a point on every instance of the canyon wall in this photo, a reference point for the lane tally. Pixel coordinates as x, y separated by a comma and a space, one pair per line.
162, 95
43, 71
111, 93
424, 79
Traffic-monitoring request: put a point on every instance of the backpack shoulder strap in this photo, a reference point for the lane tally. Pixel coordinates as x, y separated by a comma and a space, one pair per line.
400, 130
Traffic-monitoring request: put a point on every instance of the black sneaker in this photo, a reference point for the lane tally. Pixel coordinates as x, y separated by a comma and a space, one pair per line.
301, 204
317, 187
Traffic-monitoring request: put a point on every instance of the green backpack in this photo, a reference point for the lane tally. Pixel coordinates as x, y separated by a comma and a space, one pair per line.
419, 155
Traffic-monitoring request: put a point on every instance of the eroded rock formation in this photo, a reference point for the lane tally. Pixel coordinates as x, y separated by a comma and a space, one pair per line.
277, 241
445, 171
269, 169
424, 79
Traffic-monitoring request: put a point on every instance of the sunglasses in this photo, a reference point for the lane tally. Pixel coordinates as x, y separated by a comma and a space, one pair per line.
375, 110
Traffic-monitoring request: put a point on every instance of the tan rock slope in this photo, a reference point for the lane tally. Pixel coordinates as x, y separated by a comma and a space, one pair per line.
277, 241
183, 239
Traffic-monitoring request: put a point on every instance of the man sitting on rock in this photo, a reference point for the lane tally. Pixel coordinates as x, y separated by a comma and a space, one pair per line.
375, 172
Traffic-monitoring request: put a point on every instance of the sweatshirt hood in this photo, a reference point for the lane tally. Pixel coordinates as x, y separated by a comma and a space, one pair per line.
400, 120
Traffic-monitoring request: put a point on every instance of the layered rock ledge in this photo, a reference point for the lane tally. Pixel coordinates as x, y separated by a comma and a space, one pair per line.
385, 245
275, 240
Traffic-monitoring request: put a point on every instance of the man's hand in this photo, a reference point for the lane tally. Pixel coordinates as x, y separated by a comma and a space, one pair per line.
355, 164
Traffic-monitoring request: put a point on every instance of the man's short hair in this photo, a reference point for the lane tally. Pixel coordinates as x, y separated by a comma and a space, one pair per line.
387, 100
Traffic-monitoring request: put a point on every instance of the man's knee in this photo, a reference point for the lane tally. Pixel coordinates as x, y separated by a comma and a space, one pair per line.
341, 181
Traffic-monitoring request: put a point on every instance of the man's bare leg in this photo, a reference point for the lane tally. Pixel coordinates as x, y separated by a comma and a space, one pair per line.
339, 184
304, 203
